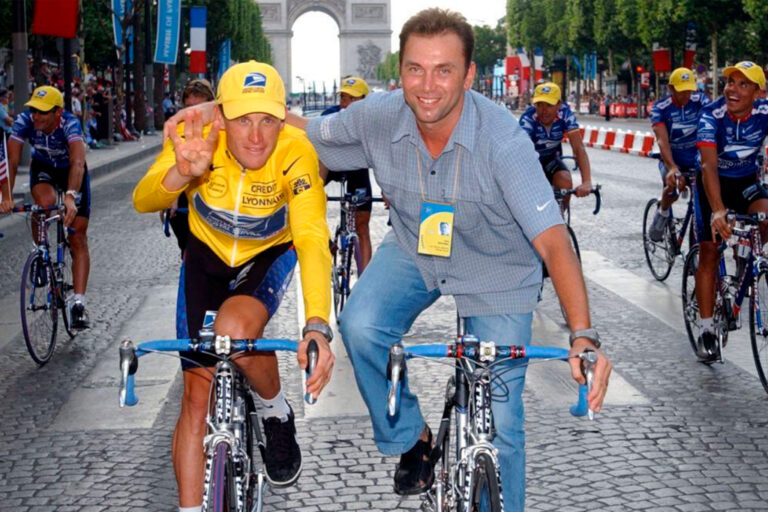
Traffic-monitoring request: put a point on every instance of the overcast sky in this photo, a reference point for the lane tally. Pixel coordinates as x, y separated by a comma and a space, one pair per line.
316, 34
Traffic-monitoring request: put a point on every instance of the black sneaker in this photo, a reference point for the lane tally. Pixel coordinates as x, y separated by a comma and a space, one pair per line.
282, 455
415, 473
708, 351
79, 316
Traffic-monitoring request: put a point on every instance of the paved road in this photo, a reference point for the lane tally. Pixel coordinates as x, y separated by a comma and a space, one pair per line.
675, 435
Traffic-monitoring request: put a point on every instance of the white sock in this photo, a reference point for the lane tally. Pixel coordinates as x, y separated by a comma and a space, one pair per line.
663, 212
276, 407
198, 508
707, 324
80, 297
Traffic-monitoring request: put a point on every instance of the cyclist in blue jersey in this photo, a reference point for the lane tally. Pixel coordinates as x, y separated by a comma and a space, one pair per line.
547, 122
354, 88
675, 119
58, 164
730, 135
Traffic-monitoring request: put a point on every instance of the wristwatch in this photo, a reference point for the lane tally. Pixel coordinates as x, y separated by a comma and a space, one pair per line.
72, 193
323, 329
590, 334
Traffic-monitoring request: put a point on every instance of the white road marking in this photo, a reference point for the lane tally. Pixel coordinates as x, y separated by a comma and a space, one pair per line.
94, 405
663, 302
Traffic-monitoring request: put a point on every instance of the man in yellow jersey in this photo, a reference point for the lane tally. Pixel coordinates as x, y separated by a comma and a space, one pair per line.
256, 205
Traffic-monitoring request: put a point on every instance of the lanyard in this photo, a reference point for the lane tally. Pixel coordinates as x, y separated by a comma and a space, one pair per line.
455, 177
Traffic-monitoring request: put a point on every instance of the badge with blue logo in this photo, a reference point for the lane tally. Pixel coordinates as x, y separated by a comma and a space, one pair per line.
545, 90
41, 94
436, 229
685, 77
744, 64
350, 81
255, 80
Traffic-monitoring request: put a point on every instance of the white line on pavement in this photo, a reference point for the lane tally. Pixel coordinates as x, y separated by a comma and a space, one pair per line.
94, 405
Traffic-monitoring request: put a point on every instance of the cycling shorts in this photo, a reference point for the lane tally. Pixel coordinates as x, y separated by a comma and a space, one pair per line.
737, 195
180, 223
551, 165
40, 172
206, 282
355, 181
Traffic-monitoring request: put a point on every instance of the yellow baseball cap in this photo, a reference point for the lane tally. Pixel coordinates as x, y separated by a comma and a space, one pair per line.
751, 70
682, 79
354, 86
45, 97
548, 92
251, 87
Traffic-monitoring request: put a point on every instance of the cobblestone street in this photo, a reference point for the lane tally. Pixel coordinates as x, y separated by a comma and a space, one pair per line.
674, 435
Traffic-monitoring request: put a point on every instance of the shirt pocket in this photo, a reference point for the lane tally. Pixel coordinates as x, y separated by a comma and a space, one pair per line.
473, 215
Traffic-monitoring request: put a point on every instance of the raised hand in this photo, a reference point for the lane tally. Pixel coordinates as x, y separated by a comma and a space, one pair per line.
194, 152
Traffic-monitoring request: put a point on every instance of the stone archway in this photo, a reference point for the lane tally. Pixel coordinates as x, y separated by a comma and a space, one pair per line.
364, 33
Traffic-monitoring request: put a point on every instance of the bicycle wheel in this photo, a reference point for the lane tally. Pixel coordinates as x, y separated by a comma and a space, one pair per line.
657, 254
485, 486
758, 326
690, 303
337, 277
220, 493
65, 290
38, 308
574, 242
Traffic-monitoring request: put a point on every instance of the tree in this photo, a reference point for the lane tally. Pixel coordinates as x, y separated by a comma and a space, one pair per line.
490, 46
389, 69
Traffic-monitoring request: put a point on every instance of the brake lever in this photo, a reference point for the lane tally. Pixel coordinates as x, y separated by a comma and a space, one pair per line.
588, 362
395, 372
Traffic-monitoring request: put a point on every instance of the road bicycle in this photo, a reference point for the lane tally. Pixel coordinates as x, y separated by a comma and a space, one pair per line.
746, 276
46, 282
345, 247
467, 477
565, 210
232, 482
661, 255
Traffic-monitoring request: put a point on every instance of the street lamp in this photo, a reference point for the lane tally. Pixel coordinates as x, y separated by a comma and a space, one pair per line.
303, 91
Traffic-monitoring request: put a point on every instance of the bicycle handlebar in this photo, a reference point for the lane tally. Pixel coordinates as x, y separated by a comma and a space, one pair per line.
167, 219
484, 352
360, 200
222, 345
562, 192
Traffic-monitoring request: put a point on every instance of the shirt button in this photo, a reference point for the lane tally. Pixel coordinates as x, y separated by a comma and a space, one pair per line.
433, 172
442, 281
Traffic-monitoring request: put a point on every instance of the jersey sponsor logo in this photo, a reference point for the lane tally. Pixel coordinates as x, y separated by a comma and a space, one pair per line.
285, 171
261, 202
262, 189
300, 184
217, 186
242, 226
241, 276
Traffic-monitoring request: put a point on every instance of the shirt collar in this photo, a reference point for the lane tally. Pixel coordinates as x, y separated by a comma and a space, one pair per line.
463, 133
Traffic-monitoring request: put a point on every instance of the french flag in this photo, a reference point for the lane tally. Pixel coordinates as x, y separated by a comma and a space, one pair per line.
525, 64
538, 64
197, 39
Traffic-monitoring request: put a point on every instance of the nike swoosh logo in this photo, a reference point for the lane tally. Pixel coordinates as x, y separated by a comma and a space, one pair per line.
541, 207
285, 171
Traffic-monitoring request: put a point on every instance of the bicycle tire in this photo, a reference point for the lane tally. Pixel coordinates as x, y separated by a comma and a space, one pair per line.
574, 242
660, 266
691, 315
39, 320
66, 289
220, 492
759, 340
346, 282
337, 278
485, 486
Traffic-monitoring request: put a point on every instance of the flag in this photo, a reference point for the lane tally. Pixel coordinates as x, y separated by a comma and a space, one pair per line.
120, 8
225, 56
197, 39
56, 18
690, 45
167, 43
538, 63
662, 59
525, 64
3, 161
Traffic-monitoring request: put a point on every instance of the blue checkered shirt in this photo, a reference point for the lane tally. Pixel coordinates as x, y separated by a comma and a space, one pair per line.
503, 200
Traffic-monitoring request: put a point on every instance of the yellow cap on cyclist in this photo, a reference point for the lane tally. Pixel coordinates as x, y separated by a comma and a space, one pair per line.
683, 79
44, 98
251, 87
752, 71
354, 86
548, 92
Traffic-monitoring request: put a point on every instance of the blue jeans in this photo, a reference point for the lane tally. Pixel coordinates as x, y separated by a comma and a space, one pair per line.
381, 309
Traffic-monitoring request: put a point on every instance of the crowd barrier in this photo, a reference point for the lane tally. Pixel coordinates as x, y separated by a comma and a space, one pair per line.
636, 143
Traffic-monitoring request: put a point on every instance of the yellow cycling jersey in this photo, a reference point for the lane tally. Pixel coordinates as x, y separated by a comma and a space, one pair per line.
239, 212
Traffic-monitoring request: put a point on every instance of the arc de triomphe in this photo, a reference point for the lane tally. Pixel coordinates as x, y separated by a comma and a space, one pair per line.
364, 32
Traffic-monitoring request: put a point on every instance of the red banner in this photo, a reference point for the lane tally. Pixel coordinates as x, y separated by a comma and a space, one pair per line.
662, 59
57, 18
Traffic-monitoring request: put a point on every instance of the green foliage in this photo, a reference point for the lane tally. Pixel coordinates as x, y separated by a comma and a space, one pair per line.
389, 69
490, 46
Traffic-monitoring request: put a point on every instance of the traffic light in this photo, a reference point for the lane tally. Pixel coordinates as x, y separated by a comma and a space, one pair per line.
639, 69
